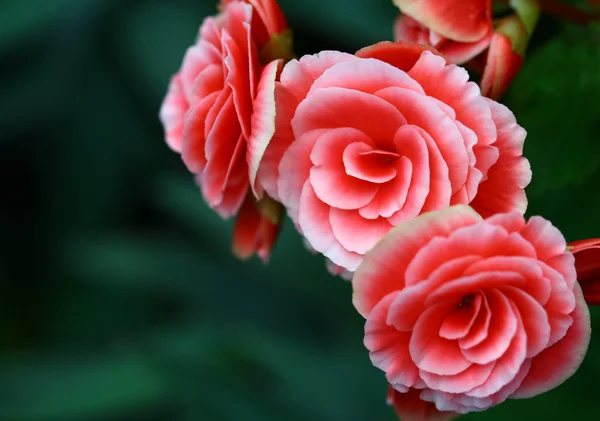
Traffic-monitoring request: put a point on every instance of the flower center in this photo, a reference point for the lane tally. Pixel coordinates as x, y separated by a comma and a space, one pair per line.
384, 157
373, 165
466, 300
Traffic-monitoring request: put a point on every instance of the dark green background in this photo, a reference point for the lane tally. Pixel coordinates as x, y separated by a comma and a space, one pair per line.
119, 298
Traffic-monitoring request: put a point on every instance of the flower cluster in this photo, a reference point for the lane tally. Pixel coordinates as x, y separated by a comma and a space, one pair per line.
409, 178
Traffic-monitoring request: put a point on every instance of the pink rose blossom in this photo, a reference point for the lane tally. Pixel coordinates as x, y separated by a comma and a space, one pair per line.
465, 21
470, 311
407, 29
363, 142
207, 113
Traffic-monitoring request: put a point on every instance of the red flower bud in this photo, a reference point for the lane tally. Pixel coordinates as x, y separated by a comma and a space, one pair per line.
587, 264
501, 66
256, 228
410, 407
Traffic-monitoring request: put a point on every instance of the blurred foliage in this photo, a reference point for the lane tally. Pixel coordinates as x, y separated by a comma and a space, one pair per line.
119, 298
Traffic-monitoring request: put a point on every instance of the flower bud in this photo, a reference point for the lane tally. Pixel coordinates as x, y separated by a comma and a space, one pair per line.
587, 264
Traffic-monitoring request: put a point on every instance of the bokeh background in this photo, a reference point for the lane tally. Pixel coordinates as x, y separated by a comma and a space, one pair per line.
119, 297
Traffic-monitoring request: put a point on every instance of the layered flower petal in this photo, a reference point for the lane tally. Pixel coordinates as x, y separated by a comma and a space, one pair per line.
220, 108
263, 122
472, 312
172, 112
381, 137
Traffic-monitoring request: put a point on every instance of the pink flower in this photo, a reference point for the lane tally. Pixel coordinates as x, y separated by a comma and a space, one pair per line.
587, 263
207, 113
463, 31
472, 311
407, 29
255, 233
410, 407
363, 142
458, 20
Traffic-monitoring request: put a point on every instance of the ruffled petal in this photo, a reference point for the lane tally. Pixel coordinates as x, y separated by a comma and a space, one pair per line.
556, 364
313, 218
172, 114
263, 123
383, 269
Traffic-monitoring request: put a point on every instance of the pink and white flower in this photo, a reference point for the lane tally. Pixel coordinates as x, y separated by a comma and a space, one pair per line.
472, 311
364, 142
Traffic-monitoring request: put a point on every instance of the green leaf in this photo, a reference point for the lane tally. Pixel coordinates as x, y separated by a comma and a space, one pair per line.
555, 97
574, 209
